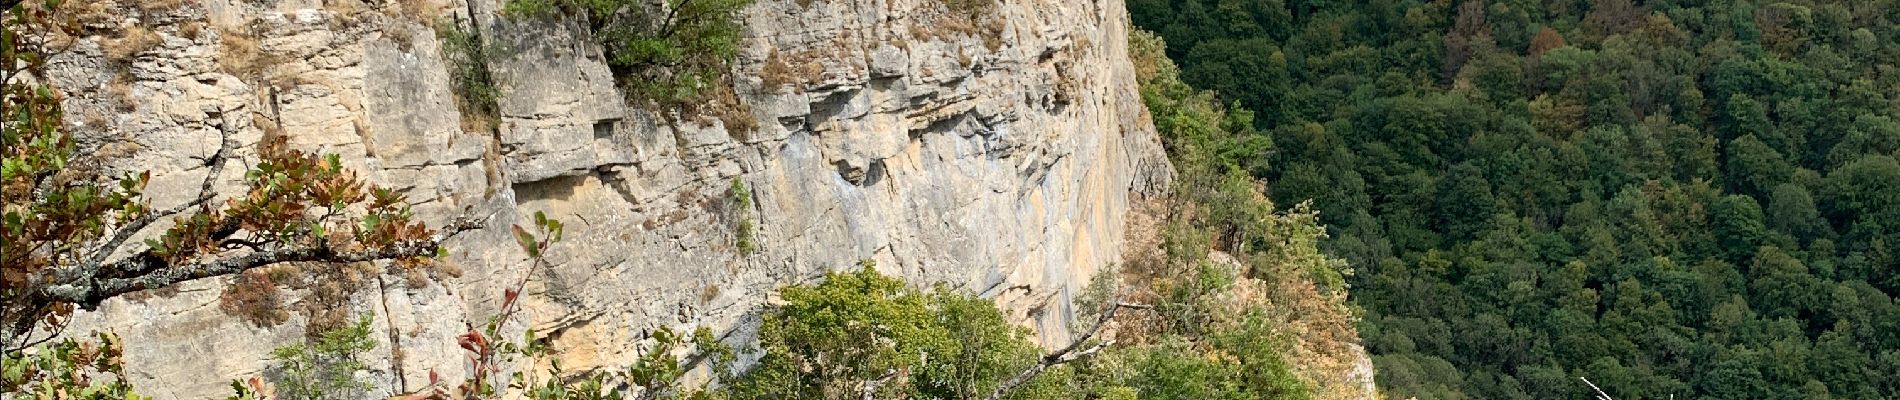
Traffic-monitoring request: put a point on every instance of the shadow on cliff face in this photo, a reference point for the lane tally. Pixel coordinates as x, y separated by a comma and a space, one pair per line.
560, 188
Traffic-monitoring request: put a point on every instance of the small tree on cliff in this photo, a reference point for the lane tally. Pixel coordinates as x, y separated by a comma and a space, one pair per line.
668, 51
67, 243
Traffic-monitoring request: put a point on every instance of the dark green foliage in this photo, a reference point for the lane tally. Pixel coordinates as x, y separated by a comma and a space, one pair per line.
1738, 227
467, 57
670, 52
1791, 209
1674, 198
1754, 167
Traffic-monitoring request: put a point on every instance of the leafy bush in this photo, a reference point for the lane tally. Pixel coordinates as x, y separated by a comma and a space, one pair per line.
67, 370
325, 368
863, 334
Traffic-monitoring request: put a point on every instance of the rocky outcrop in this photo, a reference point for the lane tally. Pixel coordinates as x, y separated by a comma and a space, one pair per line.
997, 153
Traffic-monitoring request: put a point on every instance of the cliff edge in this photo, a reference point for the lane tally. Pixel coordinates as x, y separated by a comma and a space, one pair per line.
998, 152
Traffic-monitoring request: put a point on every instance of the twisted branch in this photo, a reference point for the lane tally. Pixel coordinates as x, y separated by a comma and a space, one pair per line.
215, 167
146, 271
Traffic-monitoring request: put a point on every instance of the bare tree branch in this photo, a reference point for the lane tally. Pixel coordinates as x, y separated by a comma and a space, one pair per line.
870, 386
1068, 353
214, 167
1600, 394
146, 271
90, 294
27, 340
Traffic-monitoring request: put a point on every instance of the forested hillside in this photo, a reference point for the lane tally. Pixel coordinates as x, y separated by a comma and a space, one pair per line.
1690, 198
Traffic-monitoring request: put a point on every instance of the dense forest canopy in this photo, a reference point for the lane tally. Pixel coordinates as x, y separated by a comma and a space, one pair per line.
1689, 198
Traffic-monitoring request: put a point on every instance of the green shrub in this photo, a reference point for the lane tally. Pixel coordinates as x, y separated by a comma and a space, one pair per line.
746, 239
67, 370
325, 368
1242, 364
864, 331
671, 53
466, 55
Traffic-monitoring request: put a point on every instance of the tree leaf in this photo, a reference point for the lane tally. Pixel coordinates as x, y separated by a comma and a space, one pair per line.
527, 242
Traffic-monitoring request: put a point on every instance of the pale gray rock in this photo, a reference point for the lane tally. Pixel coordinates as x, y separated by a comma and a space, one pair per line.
941, 158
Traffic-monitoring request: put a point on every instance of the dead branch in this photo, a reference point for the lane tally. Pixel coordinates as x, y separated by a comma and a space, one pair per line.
214, 166
870, 386
1068, 353
1600, 394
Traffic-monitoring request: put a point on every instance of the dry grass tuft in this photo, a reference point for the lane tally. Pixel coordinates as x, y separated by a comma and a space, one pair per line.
964, 25
1068, 90
344, 8
708, 294
88, 12
191, 29
971, 7
119, 92
993, 33
95, 121
402, 36
421, 11
271, 129
117, 149
130, 42
921, 32
239, 54
812, 68
160, 6
778, 73
732, 112
254, 297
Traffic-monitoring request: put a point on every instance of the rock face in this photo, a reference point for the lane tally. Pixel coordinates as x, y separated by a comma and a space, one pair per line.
997, 152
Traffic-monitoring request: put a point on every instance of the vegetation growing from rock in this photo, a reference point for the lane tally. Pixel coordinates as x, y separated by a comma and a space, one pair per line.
862, 334
1221, 313
1242, 295
67, 241
1689, 199
324, 368
467, 56
671, 52
1236, 293
743, 230
68, 369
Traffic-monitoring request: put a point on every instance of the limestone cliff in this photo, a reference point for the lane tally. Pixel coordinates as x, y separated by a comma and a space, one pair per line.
1001, 157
